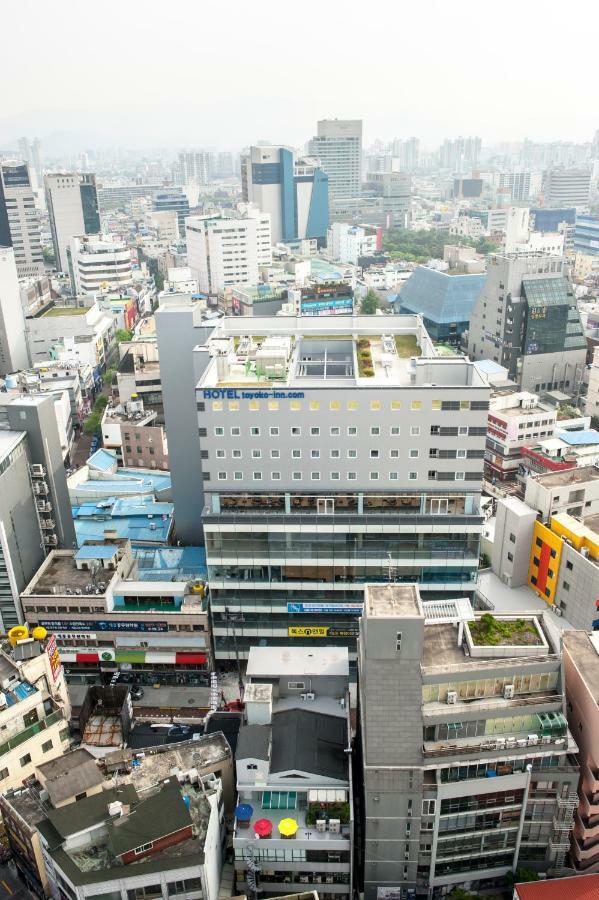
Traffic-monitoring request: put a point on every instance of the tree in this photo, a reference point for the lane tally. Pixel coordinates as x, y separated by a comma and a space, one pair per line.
159, 281
459, 893
92, 423
108, 376
370, 303
521, 875
123, 334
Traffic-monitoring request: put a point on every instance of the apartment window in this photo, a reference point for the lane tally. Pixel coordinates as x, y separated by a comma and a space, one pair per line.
297, 476
351, 476
295, 405
254, 405
256, 454
47, 746
335, 476
335, 405
296, 685
257, 476
295, 431
221, 454
274, 431
315, 454
428, 807
314, 405
234, 405
395, 431
236, 454
273, 405
512, 538
255, 431
415, 430
375, 431
352, 431
397, 641
375, 454
218, 432
510, 556
375, 405
235, 431
315, 476
414, 454
433, 453
237, 476
4, 773
352, 454
296, 454
352, 405
25, 760
566, 585
222, 476
335, 454
416, 405
206, 476
460, 476
569, 566
461, 454
275, 454
413, 476
275, 476
315, 431
395, 405
432, 474
335, 431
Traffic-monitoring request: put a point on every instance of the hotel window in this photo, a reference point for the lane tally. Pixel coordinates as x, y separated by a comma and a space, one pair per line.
315, 431
335, 476
352, 405
295, 405
351, 476
413, 476
374, 476
275, 454
222, 476
236, 454
416, 405
462, 430
297, 476
218, 432
221, 454
375, 405
352, 454
296, 454
393, 476
414, 454
415, 430
235, 431
394, 453
315, 476
295, 431
314, 405
217, 406
375, 430
315, 454
273, 405
335, 431
274, 431
256, 454
335, 454
234, 405
237, 476
257, 476
460, 476
395, 431
395, 405
464, 404
461, 454
255, 431
375, 454
254, 405
335, 405
275, 476
352, 431
436, 404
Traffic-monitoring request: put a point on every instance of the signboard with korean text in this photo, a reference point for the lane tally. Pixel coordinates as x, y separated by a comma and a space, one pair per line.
54, 657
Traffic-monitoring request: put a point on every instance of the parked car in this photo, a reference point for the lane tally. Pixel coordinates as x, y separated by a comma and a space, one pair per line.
136, 692
178, 730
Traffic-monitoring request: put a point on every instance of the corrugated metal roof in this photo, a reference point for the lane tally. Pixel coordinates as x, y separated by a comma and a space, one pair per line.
581, 887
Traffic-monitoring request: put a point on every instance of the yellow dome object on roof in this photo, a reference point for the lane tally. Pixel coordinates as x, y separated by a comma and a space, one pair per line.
18, 633
39, 633
288, 827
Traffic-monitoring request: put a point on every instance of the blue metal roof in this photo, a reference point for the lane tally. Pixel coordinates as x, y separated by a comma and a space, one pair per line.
102, 459
440, 297
97, 551
580, 438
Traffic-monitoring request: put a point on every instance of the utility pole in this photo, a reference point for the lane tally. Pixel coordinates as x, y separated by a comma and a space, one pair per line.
231, 619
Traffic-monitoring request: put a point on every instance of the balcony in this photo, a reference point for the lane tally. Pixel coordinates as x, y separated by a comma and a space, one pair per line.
27, 733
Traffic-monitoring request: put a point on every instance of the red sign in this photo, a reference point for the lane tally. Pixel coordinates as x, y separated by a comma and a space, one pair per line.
52, 651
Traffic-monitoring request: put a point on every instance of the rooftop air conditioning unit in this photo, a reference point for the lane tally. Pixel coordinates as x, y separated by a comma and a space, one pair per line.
334, 826
557, 611
508, 692
452, 696
310, 696
533, 739
321, 826
546, 739
303, 696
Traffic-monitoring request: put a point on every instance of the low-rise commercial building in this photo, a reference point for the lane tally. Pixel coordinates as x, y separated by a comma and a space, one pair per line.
80, 333
468, 764
97, 263
135, 436
294, 818
106, 620
516, 420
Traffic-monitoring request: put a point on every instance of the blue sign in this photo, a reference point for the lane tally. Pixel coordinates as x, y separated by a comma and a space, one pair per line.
101, 625
235, 394
350, 609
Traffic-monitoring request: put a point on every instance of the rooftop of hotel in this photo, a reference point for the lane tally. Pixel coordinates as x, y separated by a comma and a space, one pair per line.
303, 352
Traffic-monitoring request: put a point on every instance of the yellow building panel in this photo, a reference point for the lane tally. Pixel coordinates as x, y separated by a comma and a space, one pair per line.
545, 557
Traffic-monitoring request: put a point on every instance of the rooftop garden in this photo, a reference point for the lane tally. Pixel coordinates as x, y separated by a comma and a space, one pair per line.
327, 811
365, 363
503, 632
66, 311
407, 346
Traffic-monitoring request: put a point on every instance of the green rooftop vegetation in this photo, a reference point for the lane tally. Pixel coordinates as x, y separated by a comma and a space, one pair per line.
516, 632
66, 311
407, 346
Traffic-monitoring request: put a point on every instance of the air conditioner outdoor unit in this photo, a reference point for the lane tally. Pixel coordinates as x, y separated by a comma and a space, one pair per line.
334, 826
303, 696
557, 611
546, 739
321, 826
310, 696
452, 696
508, 692
533, 739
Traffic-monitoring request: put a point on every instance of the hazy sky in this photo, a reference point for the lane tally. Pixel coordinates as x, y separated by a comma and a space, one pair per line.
138, 73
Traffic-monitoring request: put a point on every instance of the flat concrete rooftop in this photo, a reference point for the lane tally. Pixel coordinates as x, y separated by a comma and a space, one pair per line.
569, 477
61, 574
586, 658
388, 601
